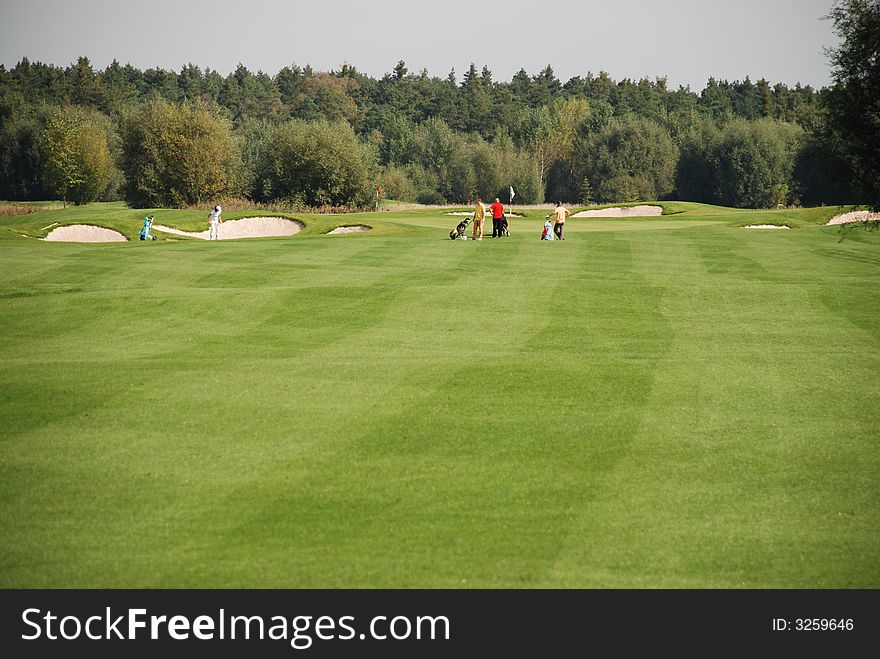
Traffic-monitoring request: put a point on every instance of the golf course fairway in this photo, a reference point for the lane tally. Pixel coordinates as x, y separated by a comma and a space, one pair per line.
655, 402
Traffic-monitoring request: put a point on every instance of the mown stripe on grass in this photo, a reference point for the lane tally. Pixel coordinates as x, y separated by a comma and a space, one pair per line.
741, 449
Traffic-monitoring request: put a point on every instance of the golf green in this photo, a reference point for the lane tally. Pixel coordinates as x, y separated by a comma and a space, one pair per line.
659, 402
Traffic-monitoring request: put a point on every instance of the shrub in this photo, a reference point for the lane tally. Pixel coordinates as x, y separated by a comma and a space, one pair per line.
430, 198
78, 166
696, 174
320, 163
176, 155
396, 185
754, 158
628, 159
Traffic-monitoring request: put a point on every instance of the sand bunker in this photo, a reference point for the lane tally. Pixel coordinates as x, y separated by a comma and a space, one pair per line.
354, 229
767, 226
855, 216
85, 233
247, 227
627, 211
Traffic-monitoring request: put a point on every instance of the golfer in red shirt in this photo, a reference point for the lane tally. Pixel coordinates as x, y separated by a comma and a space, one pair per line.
497, 216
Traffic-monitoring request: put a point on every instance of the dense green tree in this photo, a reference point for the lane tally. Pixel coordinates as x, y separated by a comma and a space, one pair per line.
398, 143
643, 98
435, 144
320, 163
586, 196
254, 143
486, 77
163, 83
696, 172
475, 169
766, 98
475, 105
747, 164
823, 174
489, 175
549, 132
715, 100
290, 82
629, 159
525, 178
544, 88
251, 96
436, 98
176, 155
190, 82
397, 185
754, 158
438, 133
458, 182
854, 101
520, 85
85, 86
78, 165
212, 84
22, 160
119, 88
329, 96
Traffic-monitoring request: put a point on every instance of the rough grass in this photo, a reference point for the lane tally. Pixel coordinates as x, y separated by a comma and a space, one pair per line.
667, 402
10, 208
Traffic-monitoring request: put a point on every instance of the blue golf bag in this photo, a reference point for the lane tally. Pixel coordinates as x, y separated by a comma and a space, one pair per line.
145, 230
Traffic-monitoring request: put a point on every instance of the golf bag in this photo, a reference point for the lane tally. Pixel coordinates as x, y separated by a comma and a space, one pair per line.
145, 230
505, 226
459, 230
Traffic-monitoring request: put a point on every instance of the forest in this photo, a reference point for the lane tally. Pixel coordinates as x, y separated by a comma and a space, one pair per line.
312, 139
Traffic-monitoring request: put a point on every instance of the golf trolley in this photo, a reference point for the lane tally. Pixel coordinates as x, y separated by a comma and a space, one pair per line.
144, 233
458, 231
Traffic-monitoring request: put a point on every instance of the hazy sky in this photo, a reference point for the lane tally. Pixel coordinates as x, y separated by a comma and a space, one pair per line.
685, 40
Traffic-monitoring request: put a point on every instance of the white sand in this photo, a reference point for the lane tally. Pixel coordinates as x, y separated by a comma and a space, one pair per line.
85, 233
766, 226
247, 227
854, 216
628, 211
354, 229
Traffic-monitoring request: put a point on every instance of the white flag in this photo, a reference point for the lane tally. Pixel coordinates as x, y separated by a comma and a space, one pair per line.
512, 193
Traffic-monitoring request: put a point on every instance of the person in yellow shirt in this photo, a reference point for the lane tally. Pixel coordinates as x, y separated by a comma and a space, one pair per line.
561, 212
479, 214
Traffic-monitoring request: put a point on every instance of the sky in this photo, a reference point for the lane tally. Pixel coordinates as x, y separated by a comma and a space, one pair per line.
686, 41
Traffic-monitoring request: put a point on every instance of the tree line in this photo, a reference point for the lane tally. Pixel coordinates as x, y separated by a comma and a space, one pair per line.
313, 138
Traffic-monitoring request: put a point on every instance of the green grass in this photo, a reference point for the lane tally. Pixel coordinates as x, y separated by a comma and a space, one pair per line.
128, 221
665, 402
